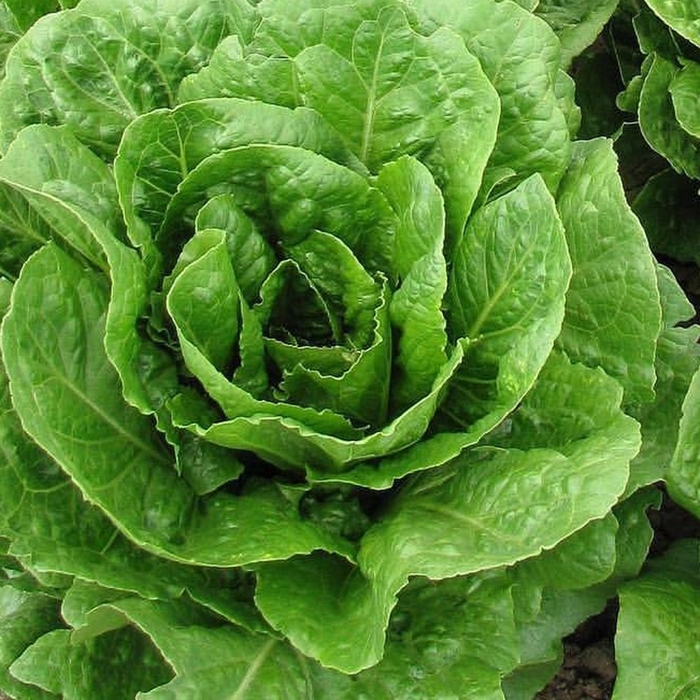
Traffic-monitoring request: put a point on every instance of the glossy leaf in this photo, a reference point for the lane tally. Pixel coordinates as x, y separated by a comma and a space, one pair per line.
107, 64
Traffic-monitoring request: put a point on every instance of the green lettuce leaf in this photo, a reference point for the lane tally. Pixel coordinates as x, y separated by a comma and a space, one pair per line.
25, 617
655, 644
614, 274
533, 134
167, 517
577, 24
109, 63
684, 93
680, 16
658, 122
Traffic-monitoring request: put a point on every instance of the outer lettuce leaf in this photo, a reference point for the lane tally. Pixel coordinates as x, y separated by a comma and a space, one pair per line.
94, 668
684, 93
39, 350
26, 12
655, 644
23, 231
546, 611
37, 168
677, 358
214, 661
613, 314
109, 63
514, 49
24, 616
657, 119
10, 32
682, 473
461, 519
452, 639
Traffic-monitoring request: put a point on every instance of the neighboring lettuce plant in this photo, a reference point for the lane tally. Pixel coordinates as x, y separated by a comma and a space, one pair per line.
334, 365
663, 99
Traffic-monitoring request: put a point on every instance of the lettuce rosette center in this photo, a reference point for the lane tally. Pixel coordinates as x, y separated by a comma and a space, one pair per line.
293, 309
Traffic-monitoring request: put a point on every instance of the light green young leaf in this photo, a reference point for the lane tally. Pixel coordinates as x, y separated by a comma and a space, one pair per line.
613, 313
656, 648
291, 443
419, 264
360, 392
203, 300
680, 15
514, 49
657, 120
677, 359
507, 287
251, 255
685, 91
97, 67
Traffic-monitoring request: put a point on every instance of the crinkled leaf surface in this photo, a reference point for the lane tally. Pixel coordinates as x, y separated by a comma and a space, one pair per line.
458, 520
76, 414
100, 65
656, 646
161, 148
505, 296
613, 314
514, 49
